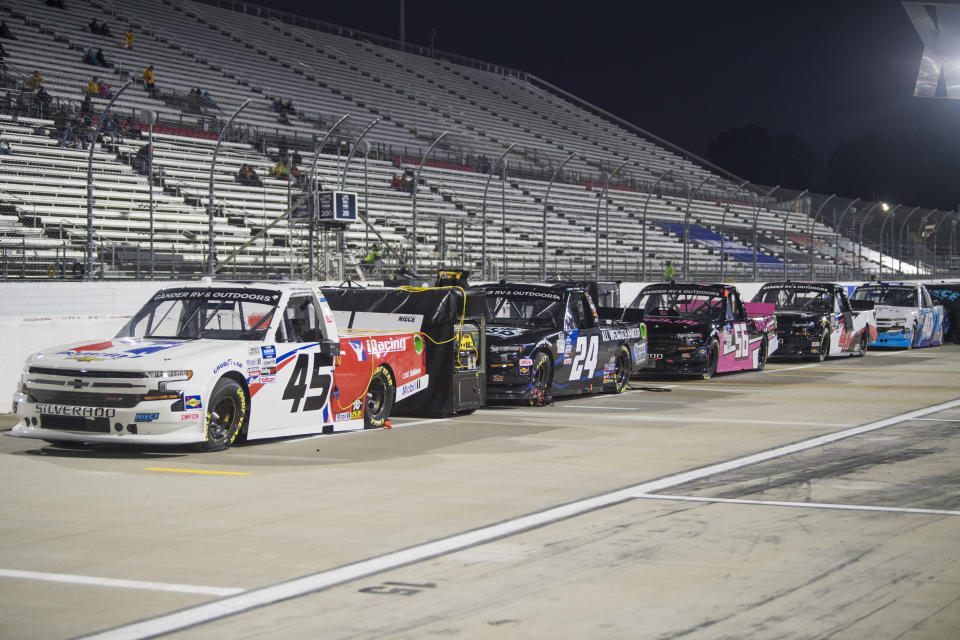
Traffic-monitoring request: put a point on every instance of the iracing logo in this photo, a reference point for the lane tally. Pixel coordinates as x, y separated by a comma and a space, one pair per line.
357, 346
380, 347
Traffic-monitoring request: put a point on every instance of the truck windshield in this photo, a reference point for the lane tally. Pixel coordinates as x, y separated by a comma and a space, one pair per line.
218, 313
795, 299
521, 309
681, 304
892, 296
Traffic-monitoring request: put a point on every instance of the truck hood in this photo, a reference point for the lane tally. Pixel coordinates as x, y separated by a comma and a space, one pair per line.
123, 354
671, 326
887, 311
508, 334
787, 319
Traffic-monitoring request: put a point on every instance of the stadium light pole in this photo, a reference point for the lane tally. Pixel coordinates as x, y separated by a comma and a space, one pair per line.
150, 117
353, 149
756, 216
416, 184
546, 199
723, 224
916, 244
88, 267
602, 198
883, 225
900, 239
315, 190
686, 227
483, 214
936, 236
863, 222
643, 245
785, 218
211, 252
836, 240
813, 221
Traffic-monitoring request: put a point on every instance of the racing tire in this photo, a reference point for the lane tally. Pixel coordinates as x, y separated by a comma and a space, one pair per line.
226, 415
762, 357
864, 344
379, 398
824, 352
621, 372
713, 359
542, 377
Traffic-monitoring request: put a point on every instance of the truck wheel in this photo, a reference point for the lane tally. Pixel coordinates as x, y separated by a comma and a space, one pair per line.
621, 374
824, 352
913, 336
380, 394
226, 415
713, 358
542, 376
67, 444
762, 357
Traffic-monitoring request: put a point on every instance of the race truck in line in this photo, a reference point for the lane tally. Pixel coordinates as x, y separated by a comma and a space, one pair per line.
948, 295
816, 320
551, 340
906, 314
210, 363
705, 329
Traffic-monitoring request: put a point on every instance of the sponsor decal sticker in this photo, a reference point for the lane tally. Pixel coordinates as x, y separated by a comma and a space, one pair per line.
357, 346
356, 414
189, 417
253, 361
567, 360
267, 379
228, 363
192, 401
524, 371
380, 347
526, 362
411, 373
253, 352
357, 404
418, 343
146, 417
496, 378
270, 351
342, 416
412, 387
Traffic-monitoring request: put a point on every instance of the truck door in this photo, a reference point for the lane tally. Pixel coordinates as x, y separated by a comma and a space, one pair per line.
300, 379
585, 335
739, 330
842, 305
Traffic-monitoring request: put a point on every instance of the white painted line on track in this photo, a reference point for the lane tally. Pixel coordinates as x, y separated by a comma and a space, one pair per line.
321, 580
115, 582
938, 419
647, 417
806, 505
358, 431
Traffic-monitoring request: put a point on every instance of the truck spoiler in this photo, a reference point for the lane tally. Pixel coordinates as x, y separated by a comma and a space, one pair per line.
759, 309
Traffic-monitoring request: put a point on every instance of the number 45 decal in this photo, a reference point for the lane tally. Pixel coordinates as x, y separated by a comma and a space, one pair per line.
296, 388
585, 358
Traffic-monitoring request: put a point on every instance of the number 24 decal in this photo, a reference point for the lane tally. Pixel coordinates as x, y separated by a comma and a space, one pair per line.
296, 388
585, 358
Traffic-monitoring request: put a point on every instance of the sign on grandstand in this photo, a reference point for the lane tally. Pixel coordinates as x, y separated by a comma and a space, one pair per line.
303, 212
338, 206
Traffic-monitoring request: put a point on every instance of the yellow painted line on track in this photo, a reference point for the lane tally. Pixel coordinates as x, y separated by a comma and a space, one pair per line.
200, 471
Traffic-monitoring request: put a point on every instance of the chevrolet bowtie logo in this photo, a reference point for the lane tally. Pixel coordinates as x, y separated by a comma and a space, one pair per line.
78, 384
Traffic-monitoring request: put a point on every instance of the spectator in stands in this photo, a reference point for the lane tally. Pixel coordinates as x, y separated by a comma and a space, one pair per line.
101, 60
86, 108
105, 90
128, 38
148, 80
105, 30
5, 31
5, 149
396, 182
247, 176
275, 105
35, 81
93, 88
108, 125
280, 171
128, 129
373, 258
90, 56
288, 107
669, 272
282, 118
94, 27
207, 99
142, 159
61, 121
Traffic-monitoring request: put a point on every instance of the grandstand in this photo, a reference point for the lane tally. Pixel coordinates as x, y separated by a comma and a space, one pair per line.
664, 204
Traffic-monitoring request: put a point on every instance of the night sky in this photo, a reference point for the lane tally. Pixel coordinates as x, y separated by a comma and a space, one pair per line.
824, 70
